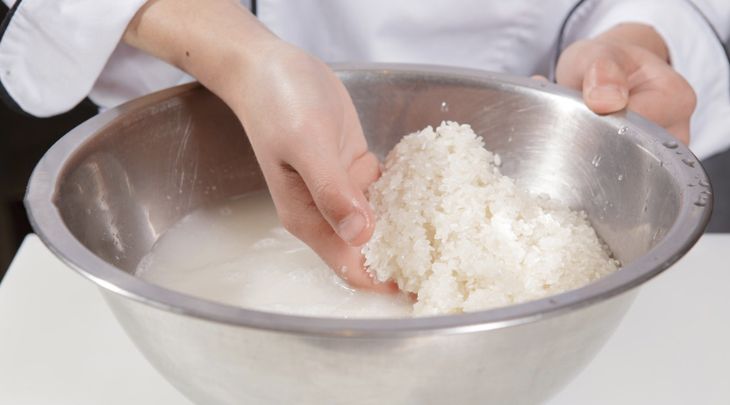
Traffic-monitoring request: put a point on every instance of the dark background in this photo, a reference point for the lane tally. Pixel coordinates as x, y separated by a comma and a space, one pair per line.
24, 139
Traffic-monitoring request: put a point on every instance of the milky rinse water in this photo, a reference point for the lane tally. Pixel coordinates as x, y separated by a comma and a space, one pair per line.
237, 253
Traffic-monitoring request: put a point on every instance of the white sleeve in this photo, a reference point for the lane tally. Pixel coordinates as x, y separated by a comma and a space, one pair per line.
53, 54
693, 31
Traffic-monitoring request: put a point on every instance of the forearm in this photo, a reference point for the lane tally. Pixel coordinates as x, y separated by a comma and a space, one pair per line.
214, 40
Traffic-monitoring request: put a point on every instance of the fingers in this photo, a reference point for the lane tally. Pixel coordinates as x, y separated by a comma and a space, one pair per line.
663, 96
605, 86
680, 131
335, 196
301, 217
614, 76
364, 171
341, 202
353, 271
600, 71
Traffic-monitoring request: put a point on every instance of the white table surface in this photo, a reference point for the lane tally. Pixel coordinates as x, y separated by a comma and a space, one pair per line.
59, 343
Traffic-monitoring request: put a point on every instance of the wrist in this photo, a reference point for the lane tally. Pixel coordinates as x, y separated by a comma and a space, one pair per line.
273, 70
233, 73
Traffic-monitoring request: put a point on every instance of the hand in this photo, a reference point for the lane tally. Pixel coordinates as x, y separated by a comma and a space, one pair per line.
628, 66
298, 116
308, 140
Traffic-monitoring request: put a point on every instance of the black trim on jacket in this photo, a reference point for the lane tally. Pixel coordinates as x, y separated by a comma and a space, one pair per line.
6, 98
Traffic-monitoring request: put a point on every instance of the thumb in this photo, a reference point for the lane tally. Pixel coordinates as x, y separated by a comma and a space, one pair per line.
342, 204
605, 86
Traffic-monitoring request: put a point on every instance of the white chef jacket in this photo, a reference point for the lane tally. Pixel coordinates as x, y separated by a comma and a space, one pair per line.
53, 54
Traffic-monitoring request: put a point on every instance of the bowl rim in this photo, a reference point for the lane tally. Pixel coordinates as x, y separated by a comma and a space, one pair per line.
46, 221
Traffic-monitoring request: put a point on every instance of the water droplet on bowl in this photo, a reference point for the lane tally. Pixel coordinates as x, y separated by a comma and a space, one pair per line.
620, 177
656, 234
703, 183
702, 200
596, 161
444, 106
670, 144
623, 130
688, 162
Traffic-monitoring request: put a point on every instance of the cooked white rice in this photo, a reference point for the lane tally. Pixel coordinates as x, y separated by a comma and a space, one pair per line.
456, 232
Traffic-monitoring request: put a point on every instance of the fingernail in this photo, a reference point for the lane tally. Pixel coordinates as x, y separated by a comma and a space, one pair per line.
349, 228
608, 93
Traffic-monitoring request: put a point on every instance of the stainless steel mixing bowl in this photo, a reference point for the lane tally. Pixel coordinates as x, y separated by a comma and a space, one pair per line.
105, 192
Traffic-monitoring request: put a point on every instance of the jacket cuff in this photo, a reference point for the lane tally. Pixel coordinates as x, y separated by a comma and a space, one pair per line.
52, 52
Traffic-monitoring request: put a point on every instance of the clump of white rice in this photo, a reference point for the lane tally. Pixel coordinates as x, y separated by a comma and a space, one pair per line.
463, 237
